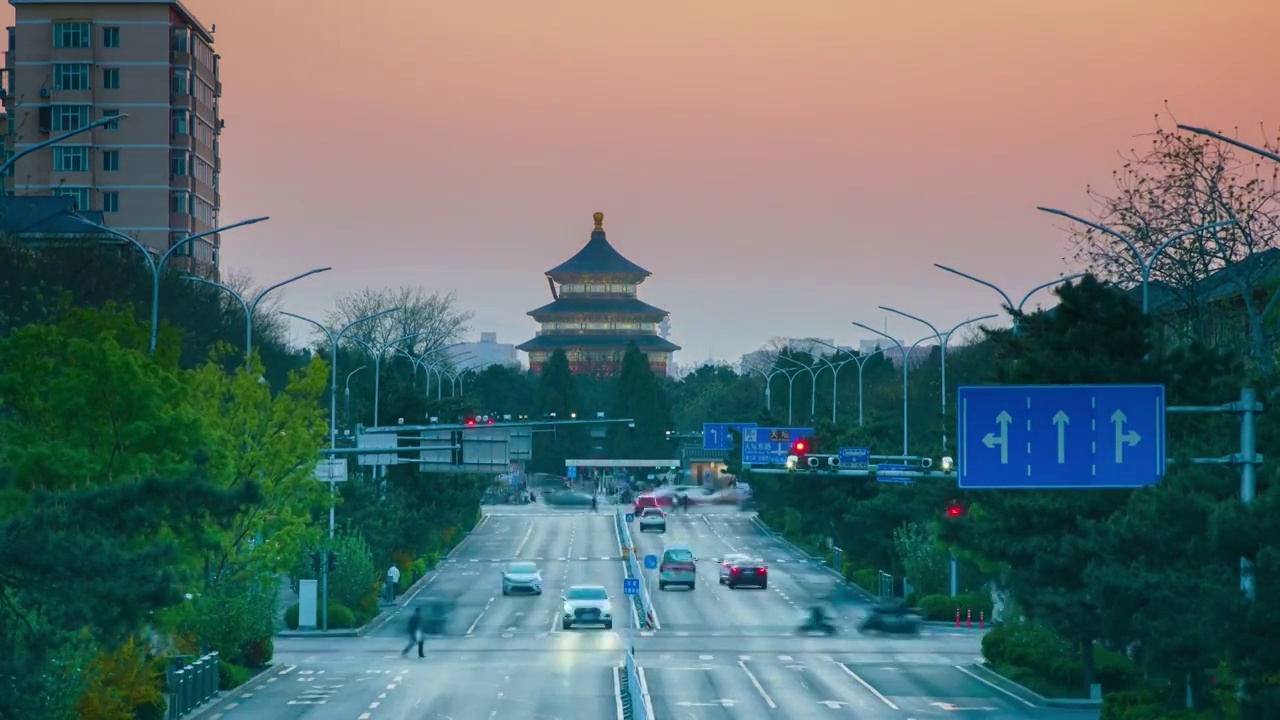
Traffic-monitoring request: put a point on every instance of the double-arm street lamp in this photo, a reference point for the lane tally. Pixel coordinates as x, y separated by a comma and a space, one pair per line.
768, 380
835, 375
156, 266
1144, 263
1230, 141
250, 305
906, 367
943, 338
1015, 310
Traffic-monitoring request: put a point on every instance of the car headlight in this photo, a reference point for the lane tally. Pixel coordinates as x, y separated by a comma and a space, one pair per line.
608, 608
568, 610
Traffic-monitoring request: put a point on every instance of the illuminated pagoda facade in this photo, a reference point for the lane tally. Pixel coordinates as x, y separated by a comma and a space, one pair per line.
595, 313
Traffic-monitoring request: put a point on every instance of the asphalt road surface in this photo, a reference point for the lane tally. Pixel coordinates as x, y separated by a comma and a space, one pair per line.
718, 653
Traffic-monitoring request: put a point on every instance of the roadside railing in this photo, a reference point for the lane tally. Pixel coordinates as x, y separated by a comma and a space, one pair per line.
639, 708
632, 565
190, 681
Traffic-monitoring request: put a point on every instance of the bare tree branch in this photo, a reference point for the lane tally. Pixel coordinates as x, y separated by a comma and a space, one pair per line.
434, 315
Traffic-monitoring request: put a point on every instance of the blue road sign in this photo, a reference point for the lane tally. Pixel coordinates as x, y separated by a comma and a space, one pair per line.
571, 472
770, 445
631, 586
715, 436
650, 562
891, 478
630, 517
854, 458
1060, 436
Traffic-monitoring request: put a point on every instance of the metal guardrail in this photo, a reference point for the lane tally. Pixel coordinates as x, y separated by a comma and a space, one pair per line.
639, 708
188, 685
634, 570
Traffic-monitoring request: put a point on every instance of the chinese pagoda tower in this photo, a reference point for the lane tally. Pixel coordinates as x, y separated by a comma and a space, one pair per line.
595, 313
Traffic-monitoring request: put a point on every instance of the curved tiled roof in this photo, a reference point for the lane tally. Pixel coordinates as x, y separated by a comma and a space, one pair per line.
598, 257
579, 305
650, 343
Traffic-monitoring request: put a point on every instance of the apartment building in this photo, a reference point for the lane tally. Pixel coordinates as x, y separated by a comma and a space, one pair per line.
154, 174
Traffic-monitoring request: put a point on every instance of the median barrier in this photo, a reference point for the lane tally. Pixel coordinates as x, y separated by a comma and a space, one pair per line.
188, 685
644, 604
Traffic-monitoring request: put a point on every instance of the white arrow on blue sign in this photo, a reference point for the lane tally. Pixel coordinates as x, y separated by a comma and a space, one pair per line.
631, 586
650, 561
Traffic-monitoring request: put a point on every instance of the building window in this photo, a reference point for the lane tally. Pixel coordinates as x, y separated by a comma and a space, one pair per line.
179, 163
203, 131
181, 81
204, 92
110, 160
180, 202
111, 78
181, 40
70, 117
110, 37
71, 76
181, 122
111, 125
202, 210
111, 202
204, 54
71, 35
70, 159
80, 194
203, 172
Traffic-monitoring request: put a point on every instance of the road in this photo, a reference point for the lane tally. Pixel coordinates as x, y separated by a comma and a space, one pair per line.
718, 654
723, 653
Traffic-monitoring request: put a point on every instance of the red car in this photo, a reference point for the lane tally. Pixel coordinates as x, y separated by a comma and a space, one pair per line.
651, 501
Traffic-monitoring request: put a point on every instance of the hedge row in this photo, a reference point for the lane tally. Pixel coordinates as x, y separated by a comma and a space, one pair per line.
1034, 656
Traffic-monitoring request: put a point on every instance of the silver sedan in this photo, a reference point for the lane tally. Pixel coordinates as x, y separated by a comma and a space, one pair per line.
521, 578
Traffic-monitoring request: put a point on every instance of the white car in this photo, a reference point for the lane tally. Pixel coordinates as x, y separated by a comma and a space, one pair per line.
653, 519
521, 578
586, 605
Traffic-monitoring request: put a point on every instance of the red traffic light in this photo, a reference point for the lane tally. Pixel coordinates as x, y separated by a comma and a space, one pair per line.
471, 421
954, 510
800, 447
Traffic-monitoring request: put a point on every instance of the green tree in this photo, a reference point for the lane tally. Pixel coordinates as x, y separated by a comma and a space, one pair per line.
556, 395
639, 396
924, 563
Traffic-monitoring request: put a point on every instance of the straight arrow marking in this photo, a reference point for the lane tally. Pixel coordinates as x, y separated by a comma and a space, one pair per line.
1118, 419
1061, 421
991, 440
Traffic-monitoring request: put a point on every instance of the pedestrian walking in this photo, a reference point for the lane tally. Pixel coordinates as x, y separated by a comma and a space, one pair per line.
415, 634
393, 582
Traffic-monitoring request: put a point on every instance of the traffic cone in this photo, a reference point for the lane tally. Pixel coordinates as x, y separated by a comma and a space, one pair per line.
981, 617
968, 618
957, 617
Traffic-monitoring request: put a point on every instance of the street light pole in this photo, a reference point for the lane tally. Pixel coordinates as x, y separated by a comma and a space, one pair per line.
334, 340
906, 366
377, 366
1016, 310
835, 377
943, 338
346, 393
251, 305
1230, 141
813, 383
1144, 263
57, 139
157, 266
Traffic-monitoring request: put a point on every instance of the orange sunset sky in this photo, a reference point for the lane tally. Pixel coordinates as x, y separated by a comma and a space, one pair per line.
781, 167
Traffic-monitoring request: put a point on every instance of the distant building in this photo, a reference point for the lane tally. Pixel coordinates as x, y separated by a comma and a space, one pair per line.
595, 313
153, 175
46, 221
487, 352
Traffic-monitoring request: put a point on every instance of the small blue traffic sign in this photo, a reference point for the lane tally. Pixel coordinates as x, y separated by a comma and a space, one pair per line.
631, 586
715, 436
854, 458
1060, 436
630, 517
650, 562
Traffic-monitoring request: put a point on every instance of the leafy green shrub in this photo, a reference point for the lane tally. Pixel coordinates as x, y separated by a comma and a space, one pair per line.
231, 618
943, 607
291, 617
1150, 704
866, 578
260, 652
231, 675
1035, 656
340, 617
355, 579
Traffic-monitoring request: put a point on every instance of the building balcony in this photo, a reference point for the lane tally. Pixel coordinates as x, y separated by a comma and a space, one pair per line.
180, 221
182, 100
181, 57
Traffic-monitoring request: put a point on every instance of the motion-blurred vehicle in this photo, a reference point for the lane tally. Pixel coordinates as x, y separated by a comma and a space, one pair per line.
891, 620
653, 519
521, 578
727, 562
748, 573
567, 498
678, 567
650, 501
586, 605
818, 619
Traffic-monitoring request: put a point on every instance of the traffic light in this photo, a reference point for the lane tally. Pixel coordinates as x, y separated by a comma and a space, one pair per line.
333, 561
315, 561
800, 447
954, 509
470, 421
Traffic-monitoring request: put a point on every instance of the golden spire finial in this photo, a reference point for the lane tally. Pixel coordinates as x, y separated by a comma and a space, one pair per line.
599, 218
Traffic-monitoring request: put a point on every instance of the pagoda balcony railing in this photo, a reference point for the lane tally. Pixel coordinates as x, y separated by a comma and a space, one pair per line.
581, 333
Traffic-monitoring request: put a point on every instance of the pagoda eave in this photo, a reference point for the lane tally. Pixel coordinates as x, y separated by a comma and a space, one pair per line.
587, 276
646, 343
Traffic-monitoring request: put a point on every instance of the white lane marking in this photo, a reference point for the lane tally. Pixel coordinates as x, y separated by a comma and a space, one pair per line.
476, 622
867, 685
759, 688
993, 686
374, 705
365, 716
617, 691
288, 670
644, 691
523, 541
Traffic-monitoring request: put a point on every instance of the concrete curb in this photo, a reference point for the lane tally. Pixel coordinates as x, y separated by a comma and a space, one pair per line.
388, 611
995, 679
225, 696
755, 519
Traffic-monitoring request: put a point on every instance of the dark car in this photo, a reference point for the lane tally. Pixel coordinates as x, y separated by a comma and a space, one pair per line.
747, 573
